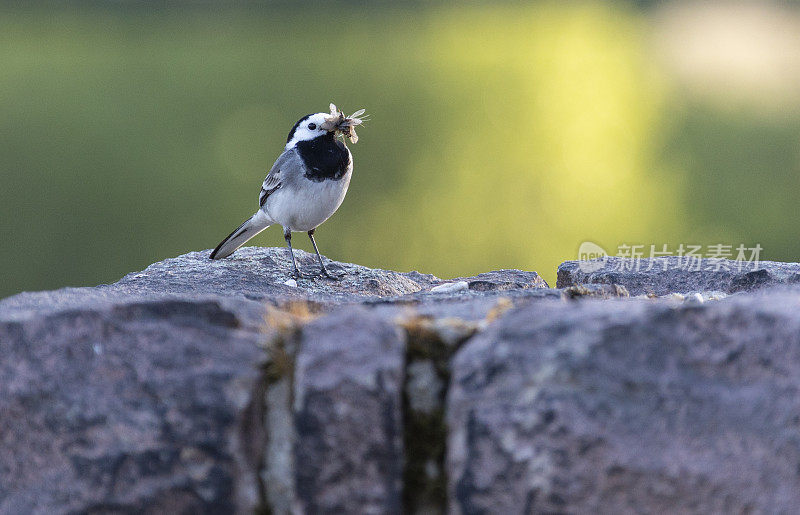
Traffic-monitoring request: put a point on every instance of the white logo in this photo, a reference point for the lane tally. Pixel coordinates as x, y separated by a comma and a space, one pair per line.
591, 257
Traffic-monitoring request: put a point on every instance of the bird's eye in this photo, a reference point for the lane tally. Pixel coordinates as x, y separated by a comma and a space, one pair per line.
312, 126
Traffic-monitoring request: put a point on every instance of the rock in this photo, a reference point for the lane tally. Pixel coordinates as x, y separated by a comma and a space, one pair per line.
424, 388
602, 291
608, 407
663, 275
348, 414
261, 273
138, 406
451, 287
430, 344
500, 280
694, 298
223, 386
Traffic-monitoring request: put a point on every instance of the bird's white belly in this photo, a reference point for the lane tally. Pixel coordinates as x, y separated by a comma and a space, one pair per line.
303, 209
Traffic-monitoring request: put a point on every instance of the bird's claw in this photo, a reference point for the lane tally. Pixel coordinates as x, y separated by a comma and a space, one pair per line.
327, 275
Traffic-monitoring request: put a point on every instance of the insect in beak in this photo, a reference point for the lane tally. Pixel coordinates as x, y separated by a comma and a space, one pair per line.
338, 123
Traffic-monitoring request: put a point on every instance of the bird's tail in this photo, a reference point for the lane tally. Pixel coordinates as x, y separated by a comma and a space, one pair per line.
254, 225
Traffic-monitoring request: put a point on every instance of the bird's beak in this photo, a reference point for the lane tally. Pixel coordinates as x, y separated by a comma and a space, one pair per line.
337, 122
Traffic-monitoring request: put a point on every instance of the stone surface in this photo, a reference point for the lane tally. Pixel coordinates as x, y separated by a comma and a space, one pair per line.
504, 280
348, 414
663, 275
261, 274
199, 386
450, 287
134, 407
629, 406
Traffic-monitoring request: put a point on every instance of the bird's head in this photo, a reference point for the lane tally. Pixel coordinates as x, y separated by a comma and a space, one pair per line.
313, 126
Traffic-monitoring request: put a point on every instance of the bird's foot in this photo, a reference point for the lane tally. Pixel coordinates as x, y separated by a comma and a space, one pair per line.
296, 275
327, 275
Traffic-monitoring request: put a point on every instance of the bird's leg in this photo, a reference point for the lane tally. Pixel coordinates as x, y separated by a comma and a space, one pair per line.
321, 264
287, 235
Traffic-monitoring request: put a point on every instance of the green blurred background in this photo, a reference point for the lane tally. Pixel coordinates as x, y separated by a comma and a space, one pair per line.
502, 135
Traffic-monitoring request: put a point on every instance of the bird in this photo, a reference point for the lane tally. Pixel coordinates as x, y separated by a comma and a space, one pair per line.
306, 185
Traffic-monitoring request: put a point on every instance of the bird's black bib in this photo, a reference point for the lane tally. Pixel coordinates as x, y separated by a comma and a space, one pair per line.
325, 157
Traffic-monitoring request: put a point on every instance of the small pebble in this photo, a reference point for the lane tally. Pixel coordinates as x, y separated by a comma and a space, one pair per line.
694, 298
291, 282
450, 287
715, 295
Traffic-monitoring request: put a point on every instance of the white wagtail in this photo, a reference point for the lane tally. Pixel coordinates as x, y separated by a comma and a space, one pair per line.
306, 185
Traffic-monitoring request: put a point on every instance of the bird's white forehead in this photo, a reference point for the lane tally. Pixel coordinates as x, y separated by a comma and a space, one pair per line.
317, 118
